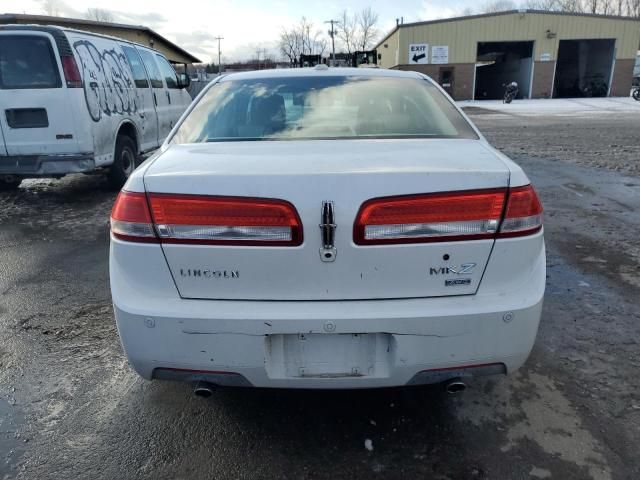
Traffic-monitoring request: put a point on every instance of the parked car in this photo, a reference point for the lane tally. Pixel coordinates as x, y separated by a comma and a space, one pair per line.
326, 228
74, 101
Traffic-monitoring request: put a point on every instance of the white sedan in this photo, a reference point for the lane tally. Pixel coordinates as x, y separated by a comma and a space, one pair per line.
326, 228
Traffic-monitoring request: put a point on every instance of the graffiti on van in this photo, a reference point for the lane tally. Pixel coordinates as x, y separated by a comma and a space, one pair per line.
109, 88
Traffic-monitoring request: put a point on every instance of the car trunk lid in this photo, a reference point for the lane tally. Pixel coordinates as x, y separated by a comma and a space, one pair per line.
307, 174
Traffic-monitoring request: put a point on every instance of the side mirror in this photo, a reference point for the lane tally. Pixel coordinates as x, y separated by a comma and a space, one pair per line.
184, 80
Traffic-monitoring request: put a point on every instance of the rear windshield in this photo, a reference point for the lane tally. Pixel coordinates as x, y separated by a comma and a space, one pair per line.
27, 61
328, 107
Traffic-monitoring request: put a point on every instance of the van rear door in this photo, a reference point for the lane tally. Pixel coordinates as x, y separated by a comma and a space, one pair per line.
34, 102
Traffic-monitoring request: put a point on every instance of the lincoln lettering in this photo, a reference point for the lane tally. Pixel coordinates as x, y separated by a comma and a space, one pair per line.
207, 273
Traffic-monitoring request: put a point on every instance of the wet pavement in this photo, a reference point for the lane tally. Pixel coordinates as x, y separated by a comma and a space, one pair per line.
70, 407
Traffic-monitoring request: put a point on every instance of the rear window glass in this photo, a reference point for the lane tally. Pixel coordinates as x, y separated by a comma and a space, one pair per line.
152, 69
328, 107
139, 74
27, 61
168, 72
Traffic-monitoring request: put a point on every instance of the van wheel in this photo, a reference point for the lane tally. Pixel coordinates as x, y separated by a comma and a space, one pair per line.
10, 183
125, 161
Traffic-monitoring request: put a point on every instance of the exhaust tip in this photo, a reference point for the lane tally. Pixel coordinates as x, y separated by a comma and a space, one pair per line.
204, 389
455, 386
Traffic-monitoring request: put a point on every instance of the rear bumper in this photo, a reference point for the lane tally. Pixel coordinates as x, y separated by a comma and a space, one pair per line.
258, 343
46, 165
417, 349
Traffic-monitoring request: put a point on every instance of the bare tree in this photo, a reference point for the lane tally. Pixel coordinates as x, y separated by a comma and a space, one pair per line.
301, 39
633, 8
99, 15
51, 8
549, 5
367, 23
289, 45
347, 31
498, 6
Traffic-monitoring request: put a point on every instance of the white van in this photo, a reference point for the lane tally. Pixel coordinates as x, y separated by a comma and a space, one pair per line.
74, 101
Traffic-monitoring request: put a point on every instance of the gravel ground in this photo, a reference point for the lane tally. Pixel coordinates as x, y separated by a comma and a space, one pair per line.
70, 407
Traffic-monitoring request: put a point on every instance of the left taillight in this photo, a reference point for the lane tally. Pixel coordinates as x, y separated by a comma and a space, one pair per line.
216, 220
131, 218
205, 220
71, 72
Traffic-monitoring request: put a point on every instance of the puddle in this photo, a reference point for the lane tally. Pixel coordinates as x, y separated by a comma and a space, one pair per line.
12, 446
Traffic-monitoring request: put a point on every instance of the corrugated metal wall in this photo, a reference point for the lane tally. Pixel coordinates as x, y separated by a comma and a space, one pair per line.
462, 35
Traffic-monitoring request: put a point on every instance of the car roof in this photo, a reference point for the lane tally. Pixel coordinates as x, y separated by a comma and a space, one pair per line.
320, 72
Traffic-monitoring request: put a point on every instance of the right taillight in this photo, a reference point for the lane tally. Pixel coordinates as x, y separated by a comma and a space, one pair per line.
523, 215
431, 217
448, 216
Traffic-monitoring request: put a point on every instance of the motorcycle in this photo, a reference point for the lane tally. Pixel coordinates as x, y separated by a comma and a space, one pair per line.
510, 93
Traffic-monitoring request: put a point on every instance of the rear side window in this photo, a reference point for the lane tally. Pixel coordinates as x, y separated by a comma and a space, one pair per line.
27, 61
152, 68
168, 72
139, 74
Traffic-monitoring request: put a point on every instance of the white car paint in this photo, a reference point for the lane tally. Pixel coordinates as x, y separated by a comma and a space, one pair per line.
291, 321
84, 120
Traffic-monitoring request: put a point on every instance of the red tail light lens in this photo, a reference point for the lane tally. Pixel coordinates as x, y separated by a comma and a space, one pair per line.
131, 219
225, 220
436, 217
523, 215
71, 72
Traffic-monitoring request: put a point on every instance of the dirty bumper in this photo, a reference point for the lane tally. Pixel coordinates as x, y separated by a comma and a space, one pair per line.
46, 165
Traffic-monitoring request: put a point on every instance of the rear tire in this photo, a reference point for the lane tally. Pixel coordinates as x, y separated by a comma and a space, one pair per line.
636, 94
6, 185
125, 161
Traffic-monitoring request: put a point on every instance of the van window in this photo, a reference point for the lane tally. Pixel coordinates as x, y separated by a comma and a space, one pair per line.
139, 74
152, 69
27, 61
168, 72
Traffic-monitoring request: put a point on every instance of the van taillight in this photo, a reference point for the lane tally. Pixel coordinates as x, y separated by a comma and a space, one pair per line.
210, 220
451, 216
71, 72
523, 215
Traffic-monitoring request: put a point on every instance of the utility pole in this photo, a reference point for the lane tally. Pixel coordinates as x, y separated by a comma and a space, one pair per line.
332, 34
219, 64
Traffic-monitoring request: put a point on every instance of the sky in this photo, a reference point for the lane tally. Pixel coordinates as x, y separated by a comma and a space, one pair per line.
246, 25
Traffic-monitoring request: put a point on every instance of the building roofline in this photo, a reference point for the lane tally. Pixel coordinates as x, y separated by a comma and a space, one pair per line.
497, 14
62, 21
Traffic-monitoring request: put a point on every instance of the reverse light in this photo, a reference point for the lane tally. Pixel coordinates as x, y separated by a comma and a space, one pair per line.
523, 215
225, 220
71, 72
434, 217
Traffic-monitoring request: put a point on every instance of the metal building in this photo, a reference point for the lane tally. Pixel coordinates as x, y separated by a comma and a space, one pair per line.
133, 33
549, 54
